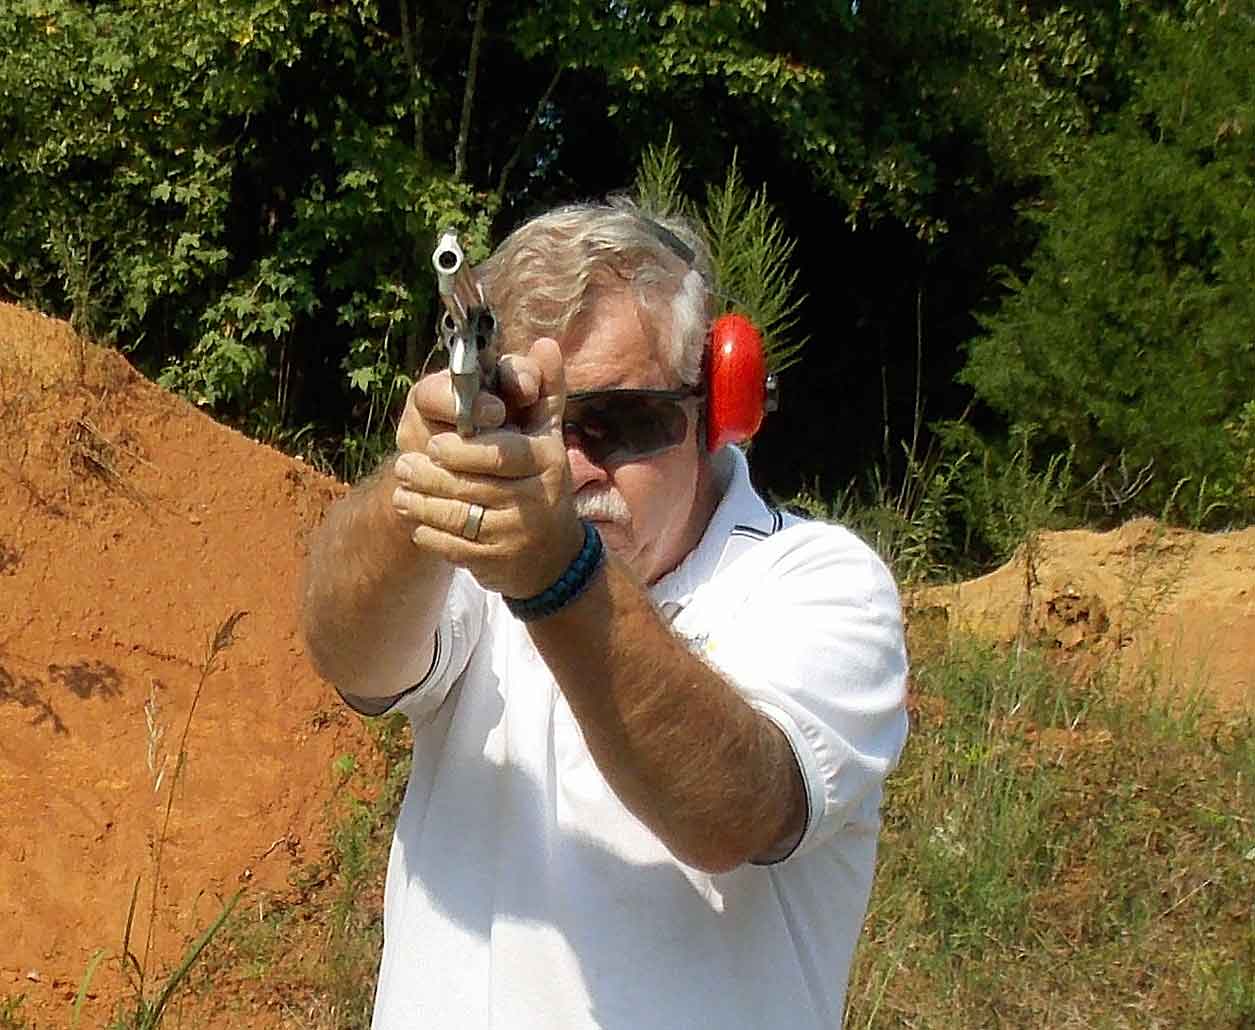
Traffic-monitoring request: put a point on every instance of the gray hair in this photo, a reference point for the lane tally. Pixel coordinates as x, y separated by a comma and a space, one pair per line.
552, 269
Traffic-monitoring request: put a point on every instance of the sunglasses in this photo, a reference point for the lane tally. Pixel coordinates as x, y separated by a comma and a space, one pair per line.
614, 426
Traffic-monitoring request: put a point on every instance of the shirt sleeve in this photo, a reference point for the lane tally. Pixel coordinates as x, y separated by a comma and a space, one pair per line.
815, 642
457, 633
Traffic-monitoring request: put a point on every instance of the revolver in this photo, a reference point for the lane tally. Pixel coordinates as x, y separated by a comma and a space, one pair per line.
468, 329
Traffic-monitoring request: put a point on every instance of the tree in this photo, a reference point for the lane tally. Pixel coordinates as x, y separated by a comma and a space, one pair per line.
1131, 337
246, 193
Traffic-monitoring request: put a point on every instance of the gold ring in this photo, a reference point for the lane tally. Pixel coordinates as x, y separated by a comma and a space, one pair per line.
474, 519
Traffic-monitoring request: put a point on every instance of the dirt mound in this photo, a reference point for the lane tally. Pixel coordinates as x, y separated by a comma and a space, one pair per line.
1170, 607
131, 528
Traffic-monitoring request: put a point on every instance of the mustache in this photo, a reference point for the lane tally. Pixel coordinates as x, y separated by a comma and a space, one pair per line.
605, 505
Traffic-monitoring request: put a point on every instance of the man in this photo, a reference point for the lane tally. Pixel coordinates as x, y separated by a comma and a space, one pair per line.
646, 778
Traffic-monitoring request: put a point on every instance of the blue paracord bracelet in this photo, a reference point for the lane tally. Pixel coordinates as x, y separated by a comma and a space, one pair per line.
573, 582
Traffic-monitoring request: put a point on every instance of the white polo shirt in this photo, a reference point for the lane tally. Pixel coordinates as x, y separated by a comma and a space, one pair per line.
522, 895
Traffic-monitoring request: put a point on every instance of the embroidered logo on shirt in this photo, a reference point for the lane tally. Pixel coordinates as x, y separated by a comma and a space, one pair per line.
699, 644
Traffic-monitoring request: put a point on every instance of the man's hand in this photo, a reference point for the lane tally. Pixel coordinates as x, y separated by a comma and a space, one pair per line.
517, 473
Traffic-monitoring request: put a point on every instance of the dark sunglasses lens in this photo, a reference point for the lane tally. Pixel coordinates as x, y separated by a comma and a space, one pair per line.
613, 428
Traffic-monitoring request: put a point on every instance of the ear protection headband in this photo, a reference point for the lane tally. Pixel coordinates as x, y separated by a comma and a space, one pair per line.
734, 367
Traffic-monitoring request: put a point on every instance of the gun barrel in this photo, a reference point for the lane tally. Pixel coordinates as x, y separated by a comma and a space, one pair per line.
467, 328
459, 288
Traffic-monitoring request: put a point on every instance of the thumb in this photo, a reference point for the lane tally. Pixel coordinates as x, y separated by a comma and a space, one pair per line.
545, 416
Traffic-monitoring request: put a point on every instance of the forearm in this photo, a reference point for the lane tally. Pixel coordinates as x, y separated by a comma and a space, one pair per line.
371, 600
715, 779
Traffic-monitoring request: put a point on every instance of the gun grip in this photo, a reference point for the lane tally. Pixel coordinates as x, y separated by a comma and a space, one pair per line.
464, 371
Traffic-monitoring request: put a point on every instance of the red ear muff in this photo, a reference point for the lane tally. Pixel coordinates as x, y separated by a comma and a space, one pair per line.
736, 381
737, 391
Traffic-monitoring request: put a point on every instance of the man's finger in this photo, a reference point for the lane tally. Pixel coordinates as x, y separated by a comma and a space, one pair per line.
518, 381
418, 473
501, 453
442, 514
432, 396
545, 416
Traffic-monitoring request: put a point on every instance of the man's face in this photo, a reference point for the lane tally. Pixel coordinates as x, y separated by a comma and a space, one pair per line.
650, 511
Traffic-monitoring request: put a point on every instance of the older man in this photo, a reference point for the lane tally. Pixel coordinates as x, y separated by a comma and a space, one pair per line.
646, 775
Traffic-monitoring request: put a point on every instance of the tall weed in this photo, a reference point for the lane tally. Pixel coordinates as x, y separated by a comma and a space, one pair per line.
911, 525
1007, 498
11, 1017
146, 1008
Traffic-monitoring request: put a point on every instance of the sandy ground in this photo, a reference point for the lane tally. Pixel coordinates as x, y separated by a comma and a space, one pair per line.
1169, 610
132, 526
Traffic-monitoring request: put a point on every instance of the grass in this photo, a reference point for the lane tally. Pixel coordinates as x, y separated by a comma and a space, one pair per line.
11, 1017
360, 844
1061, 854
314, 953
1060, 850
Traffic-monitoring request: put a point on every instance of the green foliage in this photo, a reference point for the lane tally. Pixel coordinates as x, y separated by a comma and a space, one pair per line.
1038, 78
148, 1013
84, 986
658, 187
178, 174
1007, 494
11, 1017
749, 248
111, 112
912, 525
681, 52
867, 99
1241, 432
754, 264
359, 852
245, 194
1131, 337
230, 363
980, 863
961, 508
321, 939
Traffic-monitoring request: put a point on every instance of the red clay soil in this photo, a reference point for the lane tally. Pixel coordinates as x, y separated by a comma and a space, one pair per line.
131, 527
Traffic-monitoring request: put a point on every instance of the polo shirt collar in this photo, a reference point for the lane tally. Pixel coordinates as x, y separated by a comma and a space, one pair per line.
740, 518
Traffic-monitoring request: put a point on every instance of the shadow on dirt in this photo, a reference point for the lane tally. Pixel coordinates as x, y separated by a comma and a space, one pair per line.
83, 679
24, 692
10, 559
87, 679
